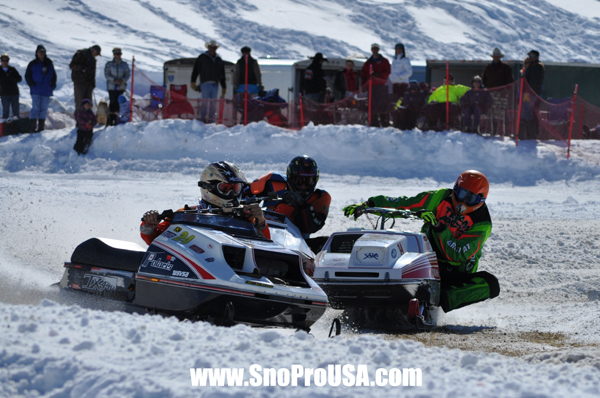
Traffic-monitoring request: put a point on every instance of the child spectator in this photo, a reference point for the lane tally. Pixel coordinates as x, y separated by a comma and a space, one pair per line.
476, 102
86, 120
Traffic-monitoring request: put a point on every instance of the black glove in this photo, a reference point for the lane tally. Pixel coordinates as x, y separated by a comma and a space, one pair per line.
292, 198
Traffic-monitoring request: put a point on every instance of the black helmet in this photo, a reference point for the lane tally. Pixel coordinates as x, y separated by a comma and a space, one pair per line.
221, 183
303, 175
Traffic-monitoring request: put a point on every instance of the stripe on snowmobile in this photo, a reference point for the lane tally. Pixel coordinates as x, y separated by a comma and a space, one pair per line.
221, 289
204, 274
206, 287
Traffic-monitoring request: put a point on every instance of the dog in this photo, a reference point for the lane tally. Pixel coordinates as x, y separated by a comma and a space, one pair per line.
102, 112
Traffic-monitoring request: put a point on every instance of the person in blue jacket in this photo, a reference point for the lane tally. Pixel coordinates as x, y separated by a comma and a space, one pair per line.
41, 79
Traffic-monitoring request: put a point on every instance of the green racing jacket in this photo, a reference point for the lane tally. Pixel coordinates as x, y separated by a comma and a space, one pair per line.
456, 239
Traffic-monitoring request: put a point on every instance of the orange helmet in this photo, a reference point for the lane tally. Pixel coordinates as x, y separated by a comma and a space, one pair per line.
470, 191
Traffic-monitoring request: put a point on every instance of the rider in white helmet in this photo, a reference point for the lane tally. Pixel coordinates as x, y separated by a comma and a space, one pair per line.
221, 185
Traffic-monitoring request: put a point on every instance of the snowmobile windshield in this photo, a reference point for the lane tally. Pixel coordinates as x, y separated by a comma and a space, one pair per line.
226, 223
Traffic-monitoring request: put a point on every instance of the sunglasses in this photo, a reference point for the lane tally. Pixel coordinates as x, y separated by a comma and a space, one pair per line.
117, 53
466, 196
226, 188
303, 181
4, 60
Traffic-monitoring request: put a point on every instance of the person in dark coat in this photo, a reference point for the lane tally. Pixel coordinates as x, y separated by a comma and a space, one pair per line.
83, 67
476, 102
41, 79
497, 73
346, 80
410, 107
534, 73
211, 70
86, 120
314, 83
254, 75
9, 89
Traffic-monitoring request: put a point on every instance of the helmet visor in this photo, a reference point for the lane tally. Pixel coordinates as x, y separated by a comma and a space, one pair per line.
229, 188
303, 181
467, 197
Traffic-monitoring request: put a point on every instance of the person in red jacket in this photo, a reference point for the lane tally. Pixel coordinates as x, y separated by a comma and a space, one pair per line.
298, 198
377, 69
221, 185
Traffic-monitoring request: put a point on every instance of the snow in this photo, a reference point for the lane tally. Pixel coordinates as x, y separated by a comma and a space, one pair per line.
537, 339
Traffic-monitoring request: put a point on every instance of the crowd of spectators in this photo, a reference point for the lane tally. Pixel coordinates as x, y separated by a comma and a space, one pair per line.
393, 96
408, 103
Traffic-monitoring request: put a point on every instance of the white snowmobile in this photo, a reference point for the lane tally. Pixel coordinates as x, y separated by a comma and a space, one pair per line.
208, 265
381, 273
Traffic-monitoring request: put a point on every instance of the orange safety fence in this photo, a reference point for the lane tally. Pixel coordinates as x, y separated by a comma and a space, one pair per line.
488, 112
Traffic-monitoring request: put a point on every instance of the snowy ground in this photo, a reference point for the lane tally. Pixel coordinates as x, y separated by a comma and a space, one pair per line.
539, 338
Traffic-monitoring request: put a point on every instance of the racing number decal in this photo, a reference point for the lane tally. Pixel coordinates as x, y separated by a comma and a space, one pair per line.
184, 239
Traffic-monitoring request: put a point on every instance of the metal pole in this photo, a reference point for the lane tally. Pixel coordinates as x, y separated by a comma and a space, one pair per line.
131, 99
301, 111
370, 87
447, 95
246, 94
571, 124
520, 107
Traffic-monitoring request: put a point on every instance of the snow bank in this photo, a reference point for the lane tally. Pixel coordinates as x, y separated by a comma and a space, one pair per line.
186, 146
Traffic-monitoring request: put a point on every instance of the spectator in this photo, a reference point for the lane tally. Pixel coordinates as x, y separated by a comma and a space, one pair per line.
83, 67
497, 73
315, 85
475, 102
435, 111
534, 73
346, 80
116, 72
409, 108
9, 89
124, 112
378, 69
86, 120
41, 79
211, 69
254, 75
401, 71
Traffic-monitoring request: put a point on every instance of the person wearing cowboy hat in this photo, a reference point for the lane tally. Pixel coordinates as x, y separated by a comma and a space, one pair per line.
117, 73
83, 73
254, 76
535, 71
211, 70
497, 73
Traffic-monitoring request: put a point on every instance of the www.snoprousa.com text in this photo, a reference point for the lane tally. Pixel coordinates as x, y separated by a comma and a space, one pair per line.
333, 375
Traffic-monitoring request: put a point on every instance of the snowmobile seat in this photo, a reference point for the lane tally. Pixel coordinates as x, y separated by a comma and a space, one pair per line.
109, 253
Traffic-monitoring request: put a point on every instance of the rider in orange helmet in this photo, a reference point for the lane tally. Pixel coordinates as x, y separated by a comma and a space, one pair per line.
457, 223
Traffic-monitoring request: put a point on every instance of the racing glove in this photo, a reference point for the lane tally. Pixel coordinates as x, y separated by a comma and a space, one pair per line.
253, 210
355, 210
292, 198
428, 217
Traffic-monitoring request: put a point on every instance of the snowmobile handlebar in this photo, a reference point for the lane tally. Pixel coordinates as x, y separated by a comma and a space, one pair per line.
387, 213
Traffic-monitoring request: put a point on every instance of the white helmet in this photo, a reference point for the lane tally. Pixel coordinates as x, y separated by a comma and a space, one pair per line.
221, 183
